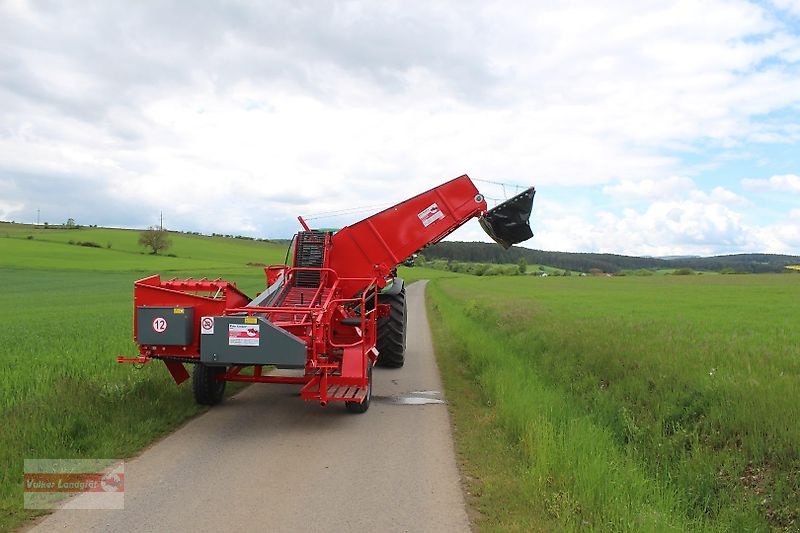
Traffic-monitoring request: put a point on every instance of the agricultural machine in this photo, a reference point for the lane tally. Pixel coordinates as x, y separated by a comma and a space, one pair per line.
334, 313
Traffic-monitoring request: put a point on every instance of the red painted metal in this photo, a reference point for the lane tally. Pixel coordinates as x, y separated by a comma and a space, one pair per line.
376, 245
178, 371
208, 298
332, 307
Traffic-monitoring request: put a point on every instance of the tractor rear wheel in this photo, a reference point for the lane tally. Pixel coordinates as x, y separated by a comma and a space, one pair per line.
207, 390
358, 408
391, 342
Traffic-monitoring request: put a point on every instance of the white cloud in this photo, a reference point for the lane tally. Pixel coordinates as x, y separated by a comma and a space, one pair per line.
718, 195
234, 118
9, 210
677, 218
781, 183
782, 238
671, 187
670, 227
792, 6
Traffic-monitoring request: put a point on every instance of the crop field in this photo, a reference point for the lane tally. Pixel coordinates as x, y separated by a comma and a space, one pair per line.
67, 313
662, 403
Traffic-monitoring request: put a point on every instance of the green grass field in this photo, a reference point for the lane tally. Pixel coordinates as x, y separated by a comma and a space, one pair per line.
67, 313
662, 403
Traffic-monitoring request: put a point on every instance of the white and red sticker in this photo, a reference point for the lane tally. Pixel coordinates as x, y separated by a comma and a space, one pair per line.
430, 214
243, 335
159, 324
207, 325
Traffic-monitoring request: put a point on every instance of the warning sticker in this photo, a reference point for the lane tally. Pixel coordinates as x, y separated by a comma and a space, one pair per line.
430, 214
243, 335
207, 325
159, 324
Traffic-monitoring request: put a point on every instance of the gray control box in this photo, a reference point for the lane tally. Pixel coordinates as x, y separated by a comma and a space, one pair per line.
249, 340
164, 326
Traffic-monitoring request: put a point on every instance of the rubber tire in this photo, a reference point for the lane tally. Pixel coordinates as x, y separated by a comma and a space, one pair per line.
359, 408
391, 342
207, 390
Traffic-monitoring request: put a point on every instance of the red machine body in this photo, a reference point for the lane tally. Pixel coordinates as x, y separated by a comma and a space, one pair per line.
321, 316
376, 245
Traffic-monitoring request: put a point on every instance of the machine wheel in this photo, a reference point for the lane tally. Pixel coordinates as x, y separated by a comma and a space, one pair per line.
207, 390
391, 342
355, 407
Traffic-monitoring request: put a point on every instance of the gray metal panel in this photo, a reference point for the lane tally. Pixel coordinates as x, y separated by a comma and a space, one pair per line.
164, 326
235, 342
265, 299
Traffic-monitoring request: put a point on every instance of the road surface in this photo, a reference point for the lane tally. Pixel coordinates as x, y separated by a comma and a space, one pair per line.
265, 460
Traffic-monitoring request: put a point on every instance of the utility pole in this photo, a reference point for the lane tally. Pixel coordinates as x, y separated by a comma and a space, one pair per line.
161, 224
38, 212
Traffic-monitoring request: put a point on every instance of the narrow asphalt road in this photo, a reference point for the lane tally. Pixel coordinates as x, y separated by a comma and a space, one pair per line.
265, 460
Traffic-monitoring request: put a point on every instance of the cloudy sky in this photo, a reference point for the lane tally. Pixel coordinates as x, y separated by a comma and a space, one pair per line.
647, 127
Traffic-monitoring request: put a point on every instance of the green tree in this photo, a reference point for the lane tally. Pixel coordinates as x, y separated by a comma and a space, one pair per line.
522, 265
155, 238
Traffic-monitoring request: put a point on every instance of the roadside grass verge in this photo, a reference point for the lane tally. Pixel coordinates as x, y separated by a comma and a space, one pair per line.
491, 464
634, 404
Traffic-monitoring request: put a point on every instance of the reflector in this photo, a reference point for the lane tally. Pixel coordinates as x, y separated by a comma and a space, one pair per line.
508, 223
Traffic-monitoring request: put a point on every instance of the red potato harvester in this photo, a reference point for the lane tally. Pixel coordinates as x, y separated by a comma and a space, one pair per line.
337, 311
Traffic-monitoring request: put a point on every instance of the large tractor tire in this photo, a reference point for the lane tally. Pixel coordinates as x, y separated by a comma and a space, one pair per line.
358, 408
391, 341
207, 390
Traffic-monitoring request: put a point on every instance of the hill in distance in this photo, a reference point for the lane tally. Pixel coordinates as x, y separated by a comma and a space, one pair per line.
480, 252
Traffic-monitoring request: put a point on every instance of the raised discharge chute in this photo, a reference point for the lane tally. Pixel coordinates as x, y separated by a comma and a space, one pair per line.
509, 222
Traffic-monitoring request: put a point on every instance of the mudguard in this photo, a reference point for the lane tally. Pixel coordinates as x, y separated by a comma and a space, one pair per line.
395, 287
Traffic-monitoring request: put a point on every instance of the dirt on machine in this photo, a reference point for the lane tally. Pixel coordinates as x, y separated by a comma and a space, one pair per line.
336, 312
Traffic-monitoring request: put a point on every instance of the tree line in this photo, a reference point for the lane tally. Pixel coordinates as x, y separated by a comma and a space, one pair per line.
481, 252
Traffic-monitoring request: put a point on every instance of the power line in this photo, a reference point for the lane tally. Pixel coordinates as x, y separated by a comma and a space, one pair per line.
364, 209
516, 187
500, 183
347, 211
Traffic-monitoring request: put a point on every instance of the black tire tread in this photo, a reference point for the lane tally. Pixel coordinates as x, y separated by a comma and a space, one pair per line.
207, 390
391, 342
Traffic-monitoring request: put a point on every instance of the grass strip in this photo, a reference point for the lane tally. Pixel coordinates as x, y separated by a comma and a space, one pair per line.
566, 469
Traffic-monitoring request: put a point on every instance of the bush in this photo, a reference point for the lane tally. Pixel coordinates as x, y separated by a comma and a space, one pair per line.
683, 272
